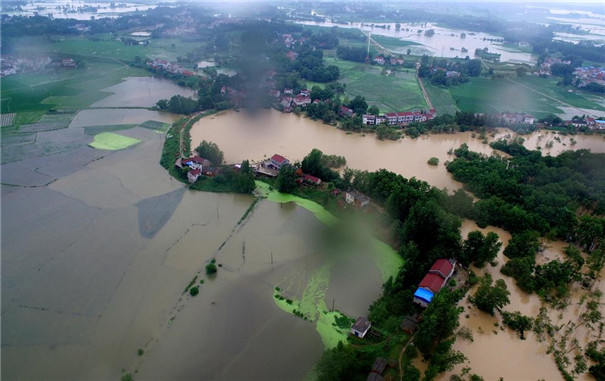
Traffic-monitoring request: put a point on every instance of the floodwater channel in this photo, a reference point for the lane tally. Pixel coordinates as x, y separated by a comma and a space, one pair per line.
255, 137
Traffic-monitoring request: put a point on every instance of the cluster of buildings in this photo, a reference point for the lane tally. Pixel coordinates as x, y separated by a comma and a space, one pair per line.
288, 99
393, 118
591, 123
548, 62
514, 119
590, 74
197, 166
170, 67
437, 277
12, 65
381, 60
291, 42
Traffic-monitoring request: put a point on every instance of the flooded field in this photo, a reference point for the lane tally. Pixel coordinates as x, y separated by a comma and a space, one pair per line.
99, 246
242, 136
445, 42
141, 92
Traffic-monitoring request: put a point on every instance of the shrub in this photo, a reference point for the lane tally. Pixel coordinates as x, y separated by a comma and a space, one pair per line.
193, 291
433, 161
140, 352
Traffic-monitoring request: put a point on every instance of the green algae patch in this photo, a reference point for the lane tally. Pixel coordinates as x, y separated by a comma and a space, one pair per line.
273, 195
112, 142
387, 260
312, 307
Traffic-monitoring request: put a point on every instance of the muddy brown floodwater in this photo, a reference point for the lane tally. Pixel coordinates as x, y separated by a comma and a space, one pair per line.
99, 246
244, 136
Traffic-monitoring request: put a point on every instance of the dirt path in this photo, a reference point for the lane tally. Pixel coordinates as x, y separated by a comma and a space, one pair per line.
193, 118
426, 96
401, 355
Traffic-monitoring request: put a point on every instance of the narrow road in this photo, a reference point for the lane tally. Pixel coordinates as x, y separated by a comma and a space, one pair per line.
552, 98
189, 120
401, 355
426, 96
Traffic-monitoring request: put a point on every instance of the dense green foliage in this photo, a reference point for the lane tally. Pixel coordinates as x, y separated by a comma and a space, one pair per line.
489, 298
517, 321
440, 320
478, 249
529, 191
314, 164
286, 179
211, 267
210, 151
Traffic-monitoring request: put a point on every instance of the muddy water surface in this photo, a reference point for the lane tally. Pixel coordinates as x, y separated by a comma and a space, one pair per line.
141, 92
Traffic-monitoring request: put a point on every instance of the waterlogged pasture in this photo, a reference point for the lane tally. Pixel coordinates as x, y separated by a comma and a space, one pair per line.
396, 92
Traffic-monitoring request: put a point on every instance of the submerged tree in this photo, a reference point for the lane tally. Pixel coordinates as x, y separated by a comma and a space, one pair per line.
488, 297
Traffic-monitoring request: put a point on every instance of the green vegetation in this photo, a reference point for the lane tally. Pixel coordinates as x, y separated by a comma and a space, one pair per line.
210, 151
193, 291
488, 297
211, 267
518, 322
478, 249
111, 141
140, 351
433, 161
442, 100
403, 92
191, 283
519, 95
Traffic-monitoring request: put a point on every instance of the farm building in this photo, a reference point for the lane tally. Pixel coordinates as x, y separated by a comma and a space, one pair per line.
361, 327
438, 275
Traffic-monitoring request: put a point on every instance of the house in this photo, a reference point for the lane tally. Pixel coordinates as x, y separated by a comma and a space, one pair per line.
286, 101
288, 91
196, 162
437, 276
599, 125
193, 175
310, 179
361, 327
210, 171
278, 161
369, 119
409, 324
305, 92
357, 199
301, 100
379, 60
391, 118
378, 368
380, 119
345, 112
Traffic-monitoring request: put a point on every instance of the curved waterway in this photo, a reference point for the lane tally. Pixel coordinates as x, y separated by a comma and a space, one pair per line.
255, 137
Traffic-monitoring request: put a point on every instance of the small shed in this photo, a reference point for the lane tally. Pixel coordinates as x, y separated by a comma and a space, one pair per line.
409, 324
361, 327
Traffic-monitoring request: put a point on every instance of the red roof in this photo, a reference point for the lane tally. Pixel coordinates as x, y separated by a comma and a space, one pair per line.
312, 178
278, 158
432, 282
442, 266
196, 159
391, 114
195, 172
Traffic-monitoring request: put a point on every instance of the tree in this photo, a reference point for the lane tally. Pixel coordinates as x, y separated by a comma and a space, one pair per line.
478, 249
210, 151
373, 110
408, 51
488, 298
439, 321
245, 180
521, 71
359, 105
286, 179
517, 321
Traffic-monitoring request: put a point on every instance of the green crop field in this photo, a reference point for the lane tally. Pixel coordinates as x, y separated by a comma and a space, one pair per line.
397, 92
528, 94
442, 99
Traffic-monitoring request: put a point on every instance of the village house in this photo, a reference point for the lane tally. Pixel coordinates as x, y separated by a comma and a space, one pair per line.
357, 199
361, 327
345, 112
437, 277
379, 60
310, 179
368, 119
278, 161
193, 175
301, 100
196, 162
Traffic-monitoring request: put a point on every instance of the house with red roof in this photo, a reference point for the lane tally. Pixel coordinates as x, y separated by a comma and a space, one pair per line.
437, 277
278, 161
310, 179
193, 175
